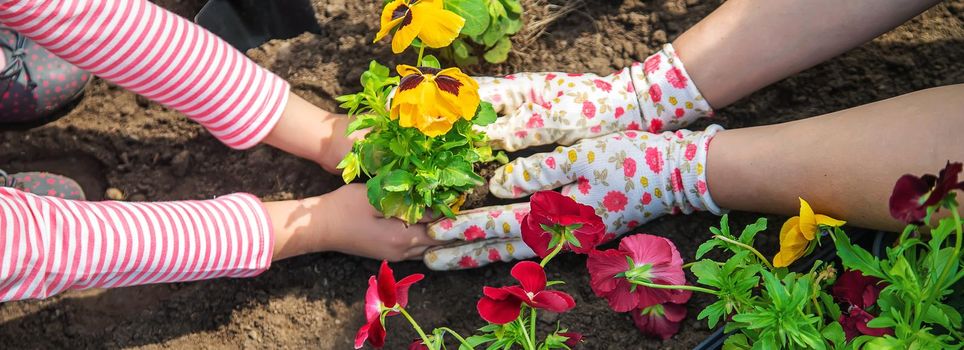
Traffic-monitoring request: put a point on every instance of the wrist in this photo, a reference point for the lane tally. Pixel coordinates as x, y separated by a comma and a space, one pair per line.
299, 227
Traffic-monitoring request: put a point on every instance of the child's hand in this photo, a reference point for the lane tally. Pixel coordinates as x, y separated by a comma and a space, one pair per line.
343, 221
353, 226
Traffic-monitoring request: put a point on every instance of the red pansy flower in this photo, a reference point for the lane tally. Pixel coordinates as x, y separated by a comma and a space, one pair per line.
854, 288
660, 320
384, 295
503, 305
639, 257
912, 195
854, 323
573, 340
555, 218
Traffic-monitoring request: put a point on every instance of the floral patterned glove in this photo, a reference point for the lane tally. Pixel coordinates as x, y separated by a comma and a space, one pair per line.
630, 178
546, 108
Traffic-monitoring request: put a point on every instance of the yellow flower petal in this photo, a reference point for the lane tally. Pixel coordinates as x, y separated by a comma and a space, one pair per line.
786, 257
808, 223
387, 22
405, 34
790, 232
828, 221
439, 27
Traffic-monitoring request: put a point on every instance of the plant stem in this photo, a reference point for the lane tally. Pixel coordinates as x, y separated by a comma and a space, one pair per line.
671, 286
934, 294
744, 246
532, 325
457, 336
552, 254
421, 51
415, 325
525, 333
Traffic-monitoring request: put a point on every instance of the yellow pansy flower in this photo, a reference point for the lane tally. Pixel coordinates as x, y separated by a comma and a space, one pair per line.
433, 99
799, 231
425, 19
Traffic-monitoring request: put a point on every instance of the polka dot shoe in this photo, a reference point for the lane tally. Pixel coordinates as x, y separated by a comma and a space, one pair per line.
43, 184
36, 87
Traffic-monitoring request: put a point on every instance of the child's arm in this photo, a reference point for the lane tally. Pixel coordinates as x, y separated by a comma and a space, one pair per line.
49, 245
166, 58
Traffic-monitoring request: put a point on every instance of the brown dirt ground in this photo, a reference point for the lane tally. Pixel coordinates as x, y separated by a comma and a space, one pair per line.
115, 139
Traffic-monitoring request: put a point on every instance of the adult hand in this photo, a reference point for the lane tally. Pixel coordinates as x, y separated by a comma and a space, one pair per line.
547, 108
629, 177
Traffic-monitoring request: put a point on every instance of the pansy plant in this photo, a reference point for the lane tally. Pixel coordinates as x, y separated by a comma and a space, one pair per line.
421, 150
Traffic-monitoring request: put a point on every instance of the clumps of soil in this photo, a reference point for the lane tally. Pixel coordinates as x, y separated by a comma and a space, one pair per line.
117, 140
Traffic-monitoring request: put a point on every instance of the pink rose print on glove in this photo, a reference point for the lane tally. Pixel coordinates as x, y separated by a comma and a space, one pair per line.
629, 167
474, 232
619, 112
701, 187
615, 201
520, 214
551, 162
550, 76
652, 64
574, 74
655, 93
494, 255
676, 179
654, 159
655, 125
445, 224
680, 113
690, 151
604, 86
583, 185
596, 129
588, 109
521, 134
676, 78
632, 126
647, 198
535, 121
495, 214
467, 262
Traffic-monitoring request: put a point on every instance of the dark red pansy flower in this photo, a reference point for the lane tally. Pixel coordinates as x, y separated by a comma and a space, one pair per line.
660, 320
573, 338
555, 218
913, 195
854, 288
503, 305
854, 323
639, 257
384, 295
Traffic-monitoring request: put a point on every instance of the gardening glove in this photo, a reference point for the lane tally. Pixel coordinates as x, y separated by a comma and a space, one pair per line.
630, 177
547, 108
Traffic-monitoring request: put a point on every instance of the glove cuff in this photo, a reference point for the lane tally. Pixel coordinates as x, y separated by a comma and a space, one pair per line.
668, 98
687, 151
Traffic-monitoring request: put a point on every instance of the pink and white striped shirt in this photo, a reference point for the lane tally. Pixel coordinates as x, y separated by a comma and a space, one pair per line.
48, 245
153, 52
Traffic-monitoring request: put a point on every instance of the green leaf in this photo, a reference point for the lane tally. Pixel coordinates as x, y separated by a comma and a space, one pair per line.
474, 12
431, 61
749, 233
706, 247
460, 49
499, 52
512, 23
375, 192
486, 114
881, 321
512, 6
350, 167
493, 34
736, 342
398, 181
855, 257
363, 121
459, 173
713, 313
834, 333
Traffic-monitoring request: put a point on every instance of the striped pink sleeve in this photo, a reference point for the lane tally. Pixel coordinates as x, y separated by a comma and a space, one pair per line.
50, 245
155, 53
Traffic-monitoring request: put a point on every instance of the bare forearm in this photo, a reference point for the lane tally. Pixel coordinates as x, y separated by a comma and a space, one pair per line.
311, 133
844, 163
748, 44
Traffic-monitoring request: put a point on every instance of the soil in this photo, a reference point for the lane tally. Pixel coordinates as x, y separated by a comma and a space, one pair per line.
114, 139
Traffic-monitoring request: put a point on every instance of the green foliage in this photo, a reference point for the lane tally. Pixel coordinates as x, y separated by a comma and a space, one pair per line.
921, 275
488, 26
408, 171
922, 278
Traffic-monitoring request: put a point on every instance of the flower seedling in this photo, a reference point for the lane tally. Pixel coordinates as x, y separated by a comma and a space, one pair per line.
421, 149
